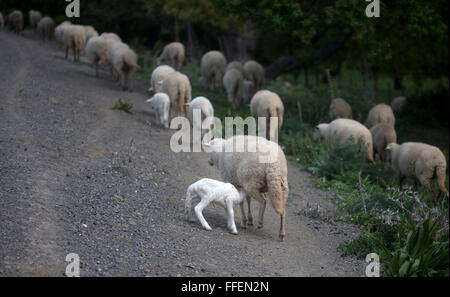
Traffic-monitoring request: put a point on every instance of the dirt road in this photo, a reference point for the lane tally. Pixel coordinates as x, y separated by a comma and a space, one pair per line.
78, 177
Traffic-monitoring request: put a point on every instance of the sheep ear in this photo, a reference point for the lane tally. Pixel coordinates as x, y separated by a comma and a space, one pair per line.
388, 148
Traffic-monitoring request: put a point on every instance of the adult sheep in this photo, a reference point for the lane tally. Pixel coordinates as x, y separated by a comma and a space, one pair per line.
398, 104
15, 22
97, 51
382, 135
113, 36
158, 76
178, 87
236, 65
340, 109
260, 167
233, 82
46, 27
381, 113
74, 37
34, 17
254, 72
59, 31
345, 130
173, 52
124, 62
268, 104
213, 65
420, 162
90, 32
205, 108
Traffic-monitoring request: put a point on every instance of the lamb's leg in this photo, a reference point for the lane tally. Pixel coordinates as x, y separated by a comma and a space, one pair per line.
230, 211
198, 211
250, 216
256, 194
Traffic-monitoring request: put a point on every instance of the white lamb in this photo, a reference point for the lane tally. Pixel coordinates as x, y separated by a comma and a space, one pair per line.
210, 190
161, 104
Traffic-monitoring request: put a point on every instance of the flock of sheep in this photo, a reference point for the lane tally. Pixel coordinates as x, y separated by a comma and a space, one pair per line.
244, 173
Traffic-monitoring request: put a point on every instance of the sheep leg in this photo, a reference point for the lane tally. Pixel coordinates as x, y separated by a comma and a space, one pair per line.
244, 218
67, 52
400, 182
256, 194
230, 212
250, 216
198, 211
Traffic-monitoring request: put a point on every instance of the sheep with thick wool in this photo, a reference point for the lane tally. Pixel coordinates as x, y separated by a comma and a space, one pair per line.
97, 51
178, 87
59, 31
216, 192
382, 135
420, 162
213, 65
381, 113
340, 109
74, 37
158, 76
173, 52
124, 61
161, 104
236, 65
256, 166
46, 27
398, 104
233, 82
113, 36
205, 108
90, 32
254, 72
345, 130
15, 21
34, 17
267, 104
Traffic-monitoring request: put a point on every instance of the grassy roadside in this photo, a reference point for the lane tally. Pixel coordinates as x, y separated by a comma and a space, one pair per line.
404, 228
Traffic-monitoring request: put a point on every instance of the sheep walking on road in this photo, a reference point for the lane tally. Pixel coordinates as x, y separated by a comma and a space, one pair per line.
213, 191
213, 65
173, 52
124, 61
267, 104
46, 28
161, 104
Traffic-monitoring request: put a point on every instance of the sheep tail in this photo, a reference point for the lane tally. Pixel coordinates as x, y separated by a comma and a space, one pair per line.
188, 201
278, 189
440, 177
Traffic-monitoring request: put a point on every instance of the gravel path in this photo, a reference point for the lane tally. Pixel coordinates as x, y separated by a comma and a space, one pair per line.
78, 177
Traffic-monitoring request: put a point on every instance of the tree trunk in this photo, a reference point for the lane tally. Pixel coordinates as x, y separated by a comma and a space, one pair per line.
193, 50
330, 83
176, 29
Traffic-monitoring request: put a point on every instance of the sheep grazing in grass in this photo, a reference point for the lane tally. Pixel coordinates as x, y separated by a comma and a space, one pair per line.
213, 65
161, 104
420, 162
398, 104
382, 135
268, 104
260, 167
173, 52
97, 51
15, 22
46, 28
206, 110
233, 82
124, 61
158, 76
381, 113
74, 37
34, 17
345, 130
236, 65
254, 72
113, 36
90, 32
340, 109
178, 87
2, 21
210, 190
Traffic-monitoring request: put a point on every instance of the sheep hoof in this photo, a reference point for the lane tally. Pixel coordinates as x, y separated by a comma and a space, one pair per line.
260, 225
281, 238
234, 232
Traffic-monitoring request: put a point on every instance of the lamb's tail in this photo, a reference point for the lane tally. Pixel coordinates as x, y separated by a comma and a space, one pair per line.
188, 201
440, 177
